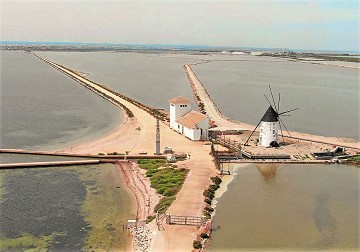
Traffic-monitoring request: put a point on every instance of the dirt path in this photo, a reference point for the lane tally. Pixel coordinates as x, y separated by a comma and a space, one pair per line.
138, 135
222, 121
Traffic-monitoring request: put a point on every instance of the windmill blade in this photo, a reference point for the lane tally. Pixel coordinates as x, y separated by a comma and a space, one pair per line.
267, 100
282, 135
288, 111
285, 127
252, 133
279, 103
273, 99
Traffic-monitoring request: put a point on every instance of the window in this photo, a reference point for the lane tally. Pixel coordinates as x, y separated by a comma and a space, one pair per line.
172, 105
178, 126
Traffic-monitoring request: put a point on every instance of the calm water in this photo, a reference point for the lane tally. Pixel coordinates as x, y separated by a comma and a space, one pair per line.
328, 96
63, 202
289, 207
43, 109
285, 207
150, 78
25, 158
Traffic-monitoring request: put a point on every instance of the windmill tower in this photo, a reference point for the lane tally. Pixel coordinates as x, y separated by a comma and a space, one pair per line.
269, 127
270, 124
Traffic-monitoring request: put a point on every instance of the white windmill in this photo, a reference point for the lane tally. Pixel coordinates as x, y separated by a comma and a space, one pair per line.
270, 124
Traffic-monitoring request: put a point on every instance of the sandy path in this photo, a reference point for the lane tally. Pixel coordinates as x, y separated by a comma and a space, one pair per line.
220, 120
189, 201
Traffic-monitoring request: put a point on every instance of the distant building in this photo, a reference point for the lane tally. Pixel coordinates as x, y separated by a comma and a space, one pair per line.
190, 123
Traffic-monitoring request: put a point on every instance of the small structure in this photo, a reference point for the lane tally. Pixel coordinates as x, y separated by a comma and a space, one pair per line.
190, 123
269, 127
270, 124
131, 223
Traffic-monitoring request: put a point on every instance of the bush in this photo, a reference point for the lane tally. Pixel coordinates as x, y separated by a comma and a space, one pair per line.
209, 194
216, 180
207, 201
204, 236
196, 244
209, 209
170, 192
150, 218
114, 153
166, 201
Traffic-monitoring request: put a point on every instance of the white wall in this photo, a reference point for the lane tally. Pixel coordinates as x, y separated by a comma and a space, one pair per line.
176, 111
268, 133
204, 125
193, 134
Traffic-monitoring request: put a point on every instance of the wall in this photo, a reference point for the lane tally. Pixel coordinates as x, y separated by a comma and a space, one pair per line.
268, 133
176, 111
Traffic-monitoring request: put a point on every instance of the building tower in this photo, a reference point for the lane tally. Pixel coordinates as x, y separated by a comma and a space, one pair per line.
269, 127
179, 106
270, 124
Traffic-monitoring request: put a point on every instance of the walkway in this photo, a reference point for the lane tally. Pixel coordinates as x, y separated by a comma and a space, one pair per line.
222, 121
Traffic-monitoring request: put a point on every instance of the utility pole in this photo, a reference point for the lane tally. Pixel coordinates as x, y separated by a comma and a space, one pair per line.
157, 148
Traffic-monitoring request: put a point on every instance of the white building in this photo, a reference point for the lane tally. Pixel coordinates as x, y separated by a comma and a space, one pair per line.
269, 127
192, 124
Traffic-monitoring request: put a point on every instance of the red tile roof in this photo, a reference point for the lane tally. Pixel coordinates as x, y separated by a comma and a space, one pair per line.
180, 100
191, 119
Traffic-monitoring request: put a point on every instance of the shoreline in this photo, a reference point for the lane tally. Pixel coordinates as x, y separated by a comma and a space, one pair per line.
127, 137
211, 109
143, 131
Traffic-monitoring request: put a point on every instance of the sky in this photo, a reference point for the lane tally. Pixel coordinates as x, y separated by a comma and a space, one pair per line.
294, 24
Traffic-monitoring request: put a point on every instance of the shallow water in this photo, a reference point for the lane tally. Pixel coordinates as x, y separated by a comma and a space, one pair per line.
25, 158
289, 207
42, 108
61, 201
328, 96
150, 78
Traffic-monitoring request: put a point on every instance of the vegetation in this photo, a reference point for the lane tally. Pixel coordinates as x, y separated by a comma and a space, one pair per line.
113, 153
355, 160
150, 218
204, 235
209, 195
166, 201
27, 242
101, 209
166, 179
196, 244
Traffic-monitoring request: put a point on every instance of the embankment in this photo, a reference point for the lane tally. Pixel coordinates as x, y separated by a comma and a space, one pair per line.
209, 107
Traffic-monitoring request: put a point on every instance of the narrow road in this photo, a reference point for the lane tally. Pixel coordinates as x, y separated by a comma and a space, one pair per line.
222, 121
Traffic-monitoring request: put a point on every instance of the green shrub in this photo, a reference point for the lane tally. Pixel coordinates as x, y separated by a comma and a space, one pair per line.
196, 244
150, 218
166, 201
204, 235
207, 201
216, 180
170, 192
209, 209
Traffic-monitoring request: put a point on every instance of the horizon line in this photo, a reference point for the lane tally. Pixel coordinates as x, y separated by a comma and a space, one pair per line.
177, 46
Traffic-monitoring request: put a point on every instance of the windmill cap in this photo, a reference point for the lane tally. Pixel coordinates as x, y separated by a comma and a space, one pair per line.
270, 115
